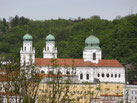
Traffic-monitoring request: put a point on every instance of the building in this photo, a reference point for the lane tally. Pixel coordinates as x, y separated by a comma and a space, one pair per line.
88, 69
96, 80
111, 92
91, 69
82, 92
130, 93
6, 87
79, 92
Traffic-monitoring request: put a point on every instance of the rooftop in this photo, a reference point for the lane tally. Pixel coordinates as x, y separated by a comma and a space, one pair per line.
76, 63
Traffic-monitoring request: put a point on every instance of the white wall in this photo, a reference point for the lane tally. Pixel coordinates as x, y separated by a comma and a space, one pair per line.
93, 73
84, 71
27, 53
130, 93
50, 51
111, 71
88, 55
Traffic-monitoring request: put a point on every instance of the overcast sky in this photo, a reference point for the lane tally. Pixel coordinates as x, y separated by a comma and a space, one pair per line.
47, 9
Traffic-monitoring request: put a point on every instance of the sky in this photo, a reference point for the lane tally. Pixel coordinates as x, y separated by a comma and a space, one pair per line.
54, 9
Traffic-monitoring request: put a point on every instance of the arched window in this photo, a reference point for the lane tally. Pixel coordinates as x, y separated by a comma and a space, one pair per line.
67, 72
47, 48
87, 76
86, 44
59, 72
112, 75
50, 72
115, 75
94, 56
81, 76
43, 72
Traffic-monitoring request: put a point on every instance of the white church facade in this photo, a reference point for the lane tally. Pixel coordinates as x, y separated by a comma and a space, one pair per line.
88, 69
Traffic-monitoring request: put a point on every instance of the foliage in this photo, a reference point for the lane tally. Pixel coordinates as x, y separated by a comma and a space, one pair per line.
19, 84
118, 37
55, 87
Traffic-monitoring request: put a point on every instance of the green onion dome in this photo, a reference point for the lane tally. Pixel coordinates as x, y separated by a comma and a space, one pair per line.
92, 42
50, 38
27, 37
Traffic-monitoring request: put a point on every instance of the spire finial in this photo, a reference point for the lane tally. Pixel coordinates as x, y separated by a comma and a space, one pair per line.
92, 30
27, 30
50, 31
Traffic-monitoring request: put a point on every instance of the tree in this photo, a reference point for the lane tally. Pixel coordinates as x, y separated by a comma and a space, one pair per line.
4, 25
20, 85
15, 21
55, 87
118, 37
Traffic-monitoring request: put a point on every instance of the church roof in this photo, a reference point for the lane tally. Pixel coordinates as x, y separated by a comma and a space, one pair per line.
76, 63
27, 36
50, 37
92, 40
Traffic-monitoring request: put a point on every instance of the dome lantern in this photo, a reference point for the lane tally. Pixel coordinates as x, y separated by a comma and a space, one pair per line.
92, 42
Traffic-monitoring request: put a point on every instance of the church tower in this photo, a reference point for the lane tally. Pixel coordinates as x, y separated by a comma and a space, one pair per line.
92, 51
50, 51
27, 53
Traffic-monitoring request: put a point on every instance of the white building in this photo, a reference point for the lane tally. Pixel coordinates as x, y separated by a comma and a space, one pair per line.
50, 51
88, 69
130, 93
12, 99
27, 52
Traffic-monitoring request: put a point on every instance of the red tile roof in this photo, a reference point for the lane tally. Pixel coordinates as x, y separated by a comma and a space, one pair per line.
133, 82
10, 93
76, 63
8, 77
53, 75
116, 95
4, 77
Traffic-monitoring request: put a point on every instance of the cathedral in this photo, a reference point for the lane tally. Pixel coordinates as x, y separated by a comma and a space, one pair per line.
88, 69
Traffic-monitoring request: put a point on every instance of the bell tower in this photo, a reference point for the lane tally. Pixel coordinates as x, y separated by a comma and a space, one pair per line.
50, 51
92, 52
27, 52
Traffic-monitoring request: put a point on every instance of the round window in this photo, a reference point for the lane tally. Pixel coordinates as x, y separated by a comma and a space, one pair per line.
115, 75
107, 75
98, 75
103, 75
